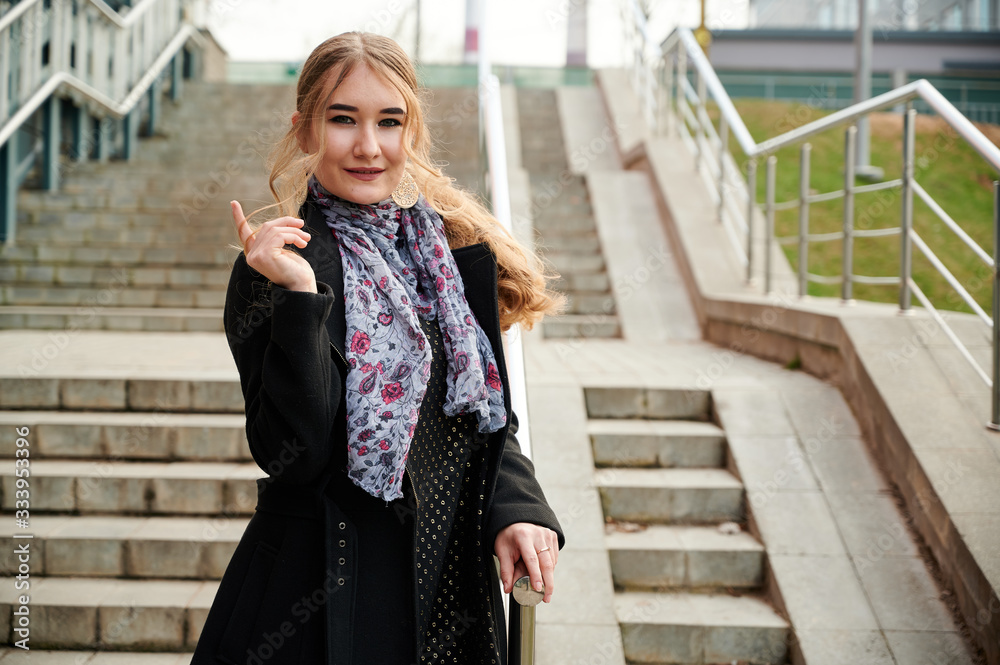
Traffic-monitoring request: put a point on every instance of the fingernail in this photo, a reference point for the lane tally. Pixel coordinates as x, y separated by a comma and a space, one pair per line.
538, 586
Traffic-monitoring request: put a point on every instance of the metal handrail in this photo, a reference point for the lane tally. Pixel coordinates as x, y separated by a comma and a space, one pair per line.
103, 60
521, 619
680, 51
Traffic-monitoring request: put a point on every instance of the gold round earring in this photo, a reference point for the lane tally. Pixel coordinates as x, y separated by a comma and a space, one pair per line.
406, 193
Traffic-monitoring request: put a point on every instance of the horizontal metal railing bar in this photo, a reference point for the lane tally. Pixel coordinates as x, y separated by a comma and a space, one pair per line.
950, 277
812, 237
114, 108
877, 233
951, 223
877, 280
959, 344
879, 186
824, 279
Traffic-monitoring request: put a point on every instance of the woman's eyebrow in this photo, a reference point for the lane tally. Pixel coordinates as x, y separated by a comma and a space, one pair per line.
392, 110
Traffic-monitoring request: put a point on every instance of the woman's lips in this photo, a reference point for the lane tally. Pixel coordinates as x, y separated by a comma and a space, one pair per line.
365, 174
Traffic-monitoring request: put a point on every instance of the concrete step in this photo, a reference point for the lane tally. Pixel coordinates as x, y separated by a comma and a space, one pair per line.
16, 656
119, 394
88, 613
136, 488
582, 281
581, 243
151, 436
590, 303
109, 256
217, 233
571, 262
657, 443
172, 319
676, 496
114, 294
129, 547
648, 403
48, 273
574, 326
692, 628
660, 557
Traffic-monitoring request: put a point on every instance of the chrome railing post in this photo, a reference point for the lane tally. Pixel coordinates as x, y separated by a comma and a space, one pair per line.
701, 134
995, 420
850, 152
524, 599
805, 153
723, 151
751, 206
668, 103
681, 77
772, 163
906, 224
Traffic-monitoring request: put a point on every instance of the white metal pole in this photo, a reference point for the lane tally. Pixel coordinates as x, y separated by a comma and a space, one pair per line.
576, 35
472, 19
863, 89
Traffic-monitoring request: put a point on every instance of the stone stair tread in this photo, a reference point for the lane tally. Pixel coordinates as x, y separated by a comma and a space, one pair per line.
158, 470
121, 418
688, 538
667, 478
115, 592
43, 657
664, 428
117, 527
695, 609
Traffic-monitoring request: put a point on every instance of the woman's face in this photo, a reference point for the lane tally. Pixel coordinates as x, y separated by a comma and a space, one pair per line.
364, 158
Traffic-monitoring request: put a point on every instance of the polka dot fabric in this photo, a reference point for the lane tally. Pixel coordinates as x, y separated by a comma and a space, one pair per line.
447, 470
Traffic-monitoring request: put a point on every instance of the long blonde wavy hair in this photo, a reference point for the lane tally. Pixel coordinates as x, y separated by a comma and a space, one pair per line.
523, 295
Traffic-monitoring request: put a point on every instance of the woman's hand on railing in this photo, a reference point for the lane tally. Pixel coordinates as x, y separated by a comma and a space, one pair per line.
528, 549
265, 250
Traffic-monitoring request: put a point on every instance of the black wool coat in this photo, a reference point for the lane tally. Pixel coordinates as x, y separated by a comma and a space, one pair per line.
288, 593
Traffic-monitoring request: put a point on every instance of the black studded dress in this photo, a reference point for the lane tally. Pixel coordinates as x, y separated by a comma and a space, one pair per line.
421, 584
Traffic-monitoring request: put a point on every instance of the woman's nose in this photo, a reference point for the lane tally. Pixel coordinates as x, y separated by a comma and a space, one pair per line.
367, 144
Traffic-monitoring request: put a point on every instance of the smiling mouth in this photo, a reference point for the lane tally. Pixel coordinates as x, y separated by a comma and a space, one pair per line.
365, 174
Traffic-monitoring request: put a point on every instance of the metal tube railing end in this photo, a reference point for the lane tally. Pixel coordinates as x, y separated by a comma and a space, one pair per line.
994, 423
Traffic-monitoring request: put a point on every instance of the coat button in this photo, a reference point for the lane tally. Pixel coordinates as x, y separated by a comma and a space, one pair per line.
342, 561
342, 526
343, 543
340, 581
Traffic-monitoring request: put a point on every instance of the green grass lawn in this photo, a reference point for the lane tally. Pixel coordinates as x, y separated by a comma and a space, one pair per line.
948, 168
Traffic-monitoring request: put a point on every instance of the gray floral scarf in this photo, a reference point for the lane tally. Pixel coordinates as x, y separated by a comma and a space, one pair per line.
398, 267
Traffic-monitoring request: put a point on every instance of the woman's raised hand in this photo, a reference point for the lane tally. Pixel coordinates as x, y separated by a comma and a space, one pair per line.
266, 253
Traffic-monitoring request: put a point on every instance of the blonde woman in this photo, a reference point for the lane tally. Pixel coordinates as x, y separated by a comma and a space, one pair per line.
365, 319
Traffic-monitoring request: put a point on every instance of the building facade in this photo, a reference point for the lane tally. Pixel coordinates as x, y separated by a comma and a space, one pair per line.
979, 15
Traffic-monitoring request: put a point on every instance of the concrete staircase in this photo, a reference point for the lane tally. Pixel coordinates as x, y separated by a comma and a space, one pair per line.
139, 492
688, 578
566, 233
143, 245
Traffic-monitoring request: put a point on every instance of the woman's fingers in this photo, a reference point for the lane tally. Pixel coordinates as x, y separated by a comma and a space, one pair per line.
506, 557
243, 229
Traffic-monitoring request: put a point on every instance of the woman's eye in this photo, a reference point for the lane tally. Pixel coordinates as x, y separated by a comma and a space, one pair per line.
390, 122
342, 119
